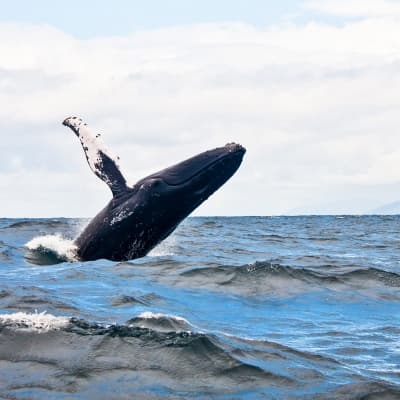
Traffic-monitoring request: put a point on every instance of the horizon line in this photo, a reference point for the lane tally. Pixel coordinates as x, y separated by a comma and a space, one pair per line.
236, 216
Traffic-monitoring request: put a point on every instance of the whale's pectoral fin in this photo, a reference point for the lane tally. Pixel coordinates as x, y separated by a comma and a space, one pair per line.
100, 160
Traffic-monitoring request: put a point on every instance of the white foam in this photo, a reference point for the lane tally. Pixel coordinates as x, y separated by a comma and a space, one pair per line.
151, 315
34, 321
61, 246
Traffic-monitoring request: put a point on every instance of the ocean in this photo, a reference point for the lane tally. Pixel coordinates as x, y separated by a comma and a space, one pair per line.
301, 307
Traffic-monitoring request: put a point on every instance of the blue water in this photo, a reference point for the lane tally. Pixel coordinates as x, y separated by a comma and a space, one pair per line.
242, 307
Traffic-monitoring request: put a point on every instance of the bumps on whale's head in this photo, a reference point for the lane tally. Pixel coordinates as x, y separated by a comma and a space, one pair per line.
235, 147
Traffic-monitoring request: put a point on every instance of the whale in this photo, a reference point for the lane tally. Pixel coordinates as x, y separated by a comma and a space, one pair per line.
140, 216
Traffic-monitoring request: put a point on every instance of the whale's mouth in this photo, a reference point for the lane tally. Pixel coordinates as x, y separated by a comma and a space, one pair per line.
213, 160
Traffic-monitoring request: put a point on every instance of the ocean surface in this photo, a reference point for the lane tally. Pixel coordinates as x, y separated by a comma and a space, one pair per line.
225, 308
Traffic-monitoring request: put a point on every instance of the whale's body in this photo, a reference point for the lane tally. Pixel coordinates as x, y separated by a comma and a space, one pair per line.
138, 218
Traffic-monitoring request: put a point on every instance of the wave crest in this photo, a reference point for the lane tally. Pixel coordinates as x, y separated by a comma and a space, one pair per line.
161, 322
266, 277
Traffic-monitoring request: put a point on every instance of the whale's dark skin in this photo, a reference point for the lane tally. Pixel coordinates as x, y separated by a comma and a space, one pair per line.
139, 217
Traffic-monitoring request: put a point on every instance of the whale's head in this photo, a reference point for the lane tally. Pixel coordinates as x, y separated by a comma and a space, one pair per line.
168, 196
181, 188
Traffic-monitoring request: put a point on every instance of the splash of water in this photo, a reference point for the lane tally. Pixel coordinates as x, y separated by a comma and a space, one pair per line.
56, 245
165, 248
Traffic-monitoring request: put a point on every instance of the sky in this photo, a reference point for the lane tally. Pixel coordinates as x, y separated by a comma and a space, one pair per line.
310, 87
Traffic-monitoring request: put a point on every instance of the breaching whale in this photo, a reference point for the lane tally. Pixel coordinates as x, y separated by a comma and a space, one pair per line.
139, 217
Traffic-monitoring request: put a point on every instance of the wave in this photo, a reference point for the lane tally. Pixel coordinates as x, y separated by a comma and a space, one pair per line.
155, 354
6, 251
4, 293
150, 341
36, 223
5, 255
145, 299
125, 300
42, 302
161, 322
50, 249
266, 277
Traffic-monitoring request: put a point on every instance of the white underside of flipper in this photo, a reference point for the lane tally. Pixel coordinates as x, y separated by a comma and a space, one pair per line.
101, 161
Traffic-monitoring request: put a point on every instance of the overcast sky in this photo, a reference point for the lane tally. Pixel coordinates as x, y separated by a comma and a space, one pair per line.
310, 88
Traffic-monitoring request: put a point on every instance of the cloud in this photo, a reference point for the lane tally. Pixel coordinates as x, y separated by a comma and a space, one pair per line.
315, 104
356, 8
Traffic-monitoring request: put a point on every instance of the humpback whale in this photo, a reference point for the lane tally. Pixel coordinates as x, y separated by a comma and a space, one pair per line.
137, 218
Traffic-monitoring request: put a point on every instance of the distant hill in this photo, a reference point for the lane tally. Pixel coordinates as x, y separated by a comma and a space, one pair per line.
391, 208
